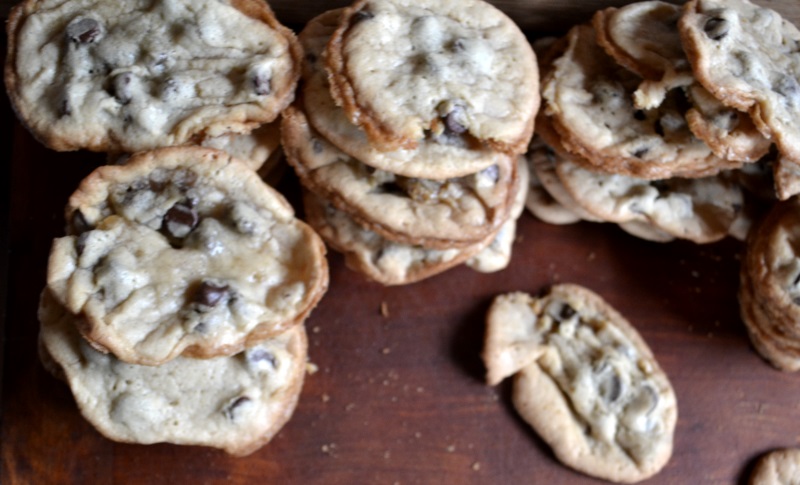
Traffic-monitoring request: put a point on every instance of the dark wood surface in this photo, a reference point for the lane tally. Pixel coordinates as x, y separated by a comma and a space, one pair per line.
400, 398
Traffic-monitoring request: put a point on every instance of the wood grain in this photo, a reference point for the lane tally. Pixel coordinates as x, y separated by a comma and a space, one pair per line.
400, 398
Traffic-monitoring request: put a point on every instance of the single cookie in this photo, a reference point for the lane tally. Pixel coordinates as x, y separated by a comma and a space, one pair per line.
235, 403
184, 250
438, 156
745, 55
401, 68
135, 75
382, 260
778, 467
588, 99
585, 381
440, 214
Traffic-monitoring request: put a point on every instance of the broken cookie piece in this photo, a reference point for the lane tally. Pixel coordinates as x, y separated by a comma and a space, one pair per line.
585, 381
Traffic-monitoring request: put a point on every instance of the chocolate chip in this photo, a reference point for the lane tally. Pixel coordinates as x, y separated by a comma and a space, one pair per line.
639, 115
788, 87
122, 87
493, 172
566, 312
180, 220
210, 294
78, 223
360, 16
84, 30
311, 58
716, 28
64, 108
259, 355
658, 128
262, 83
454, 122
458, 45
641, 152
169, 88
234, 406
316, 145
611, 387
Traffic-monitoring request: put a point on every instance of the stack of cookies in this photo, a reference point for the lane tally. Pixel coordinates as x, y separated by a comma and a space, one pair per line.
637, 133
769, 292
407, 132
174, 306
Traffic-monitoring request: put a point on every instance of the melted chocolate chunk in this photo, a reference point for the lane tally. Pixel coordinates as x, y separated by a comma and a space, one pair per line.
210, 295
566, 312
262, 84
64, 108
122, 87
262, 355
234, 406
716, 28
78, 223
180, 220
361, 15
454, 121
84, 30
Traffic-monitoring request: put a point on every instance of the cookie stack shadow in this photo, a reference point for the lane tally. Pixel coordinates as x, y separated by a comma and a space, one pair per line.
404, 209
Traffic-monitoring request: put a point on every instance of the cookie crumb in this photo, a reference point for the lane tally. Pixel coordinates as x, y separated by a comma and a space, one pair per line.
328, 449
316, 329
325, 398
350, 407
386, 350
384, 309
311, 368
451, 448
476, 466
591, 256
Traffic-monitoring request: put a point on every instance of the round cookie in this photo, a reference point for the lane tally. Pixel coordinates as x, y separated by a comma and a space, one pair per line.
184, 250
135, 75
437, 156
778, 467
745, 55
235, 403
588, 100
433, 213
401, 68
584, 380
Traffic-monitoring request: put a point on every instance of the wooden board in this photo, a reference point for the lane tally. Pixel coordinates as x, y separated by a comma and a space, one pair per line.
400, 398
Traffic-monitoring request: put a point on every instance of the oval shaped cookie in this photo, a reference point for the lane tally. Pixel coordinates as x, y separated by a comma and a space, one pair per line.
235, 403
433, 213
127, 76
184, 250
584, 380
400, 68
437, 156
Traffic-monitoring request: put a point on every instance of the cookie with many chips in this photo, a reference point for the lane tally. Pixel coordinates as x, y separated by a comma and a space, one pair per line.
584, 379
184, 250
235, 403
128, 76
